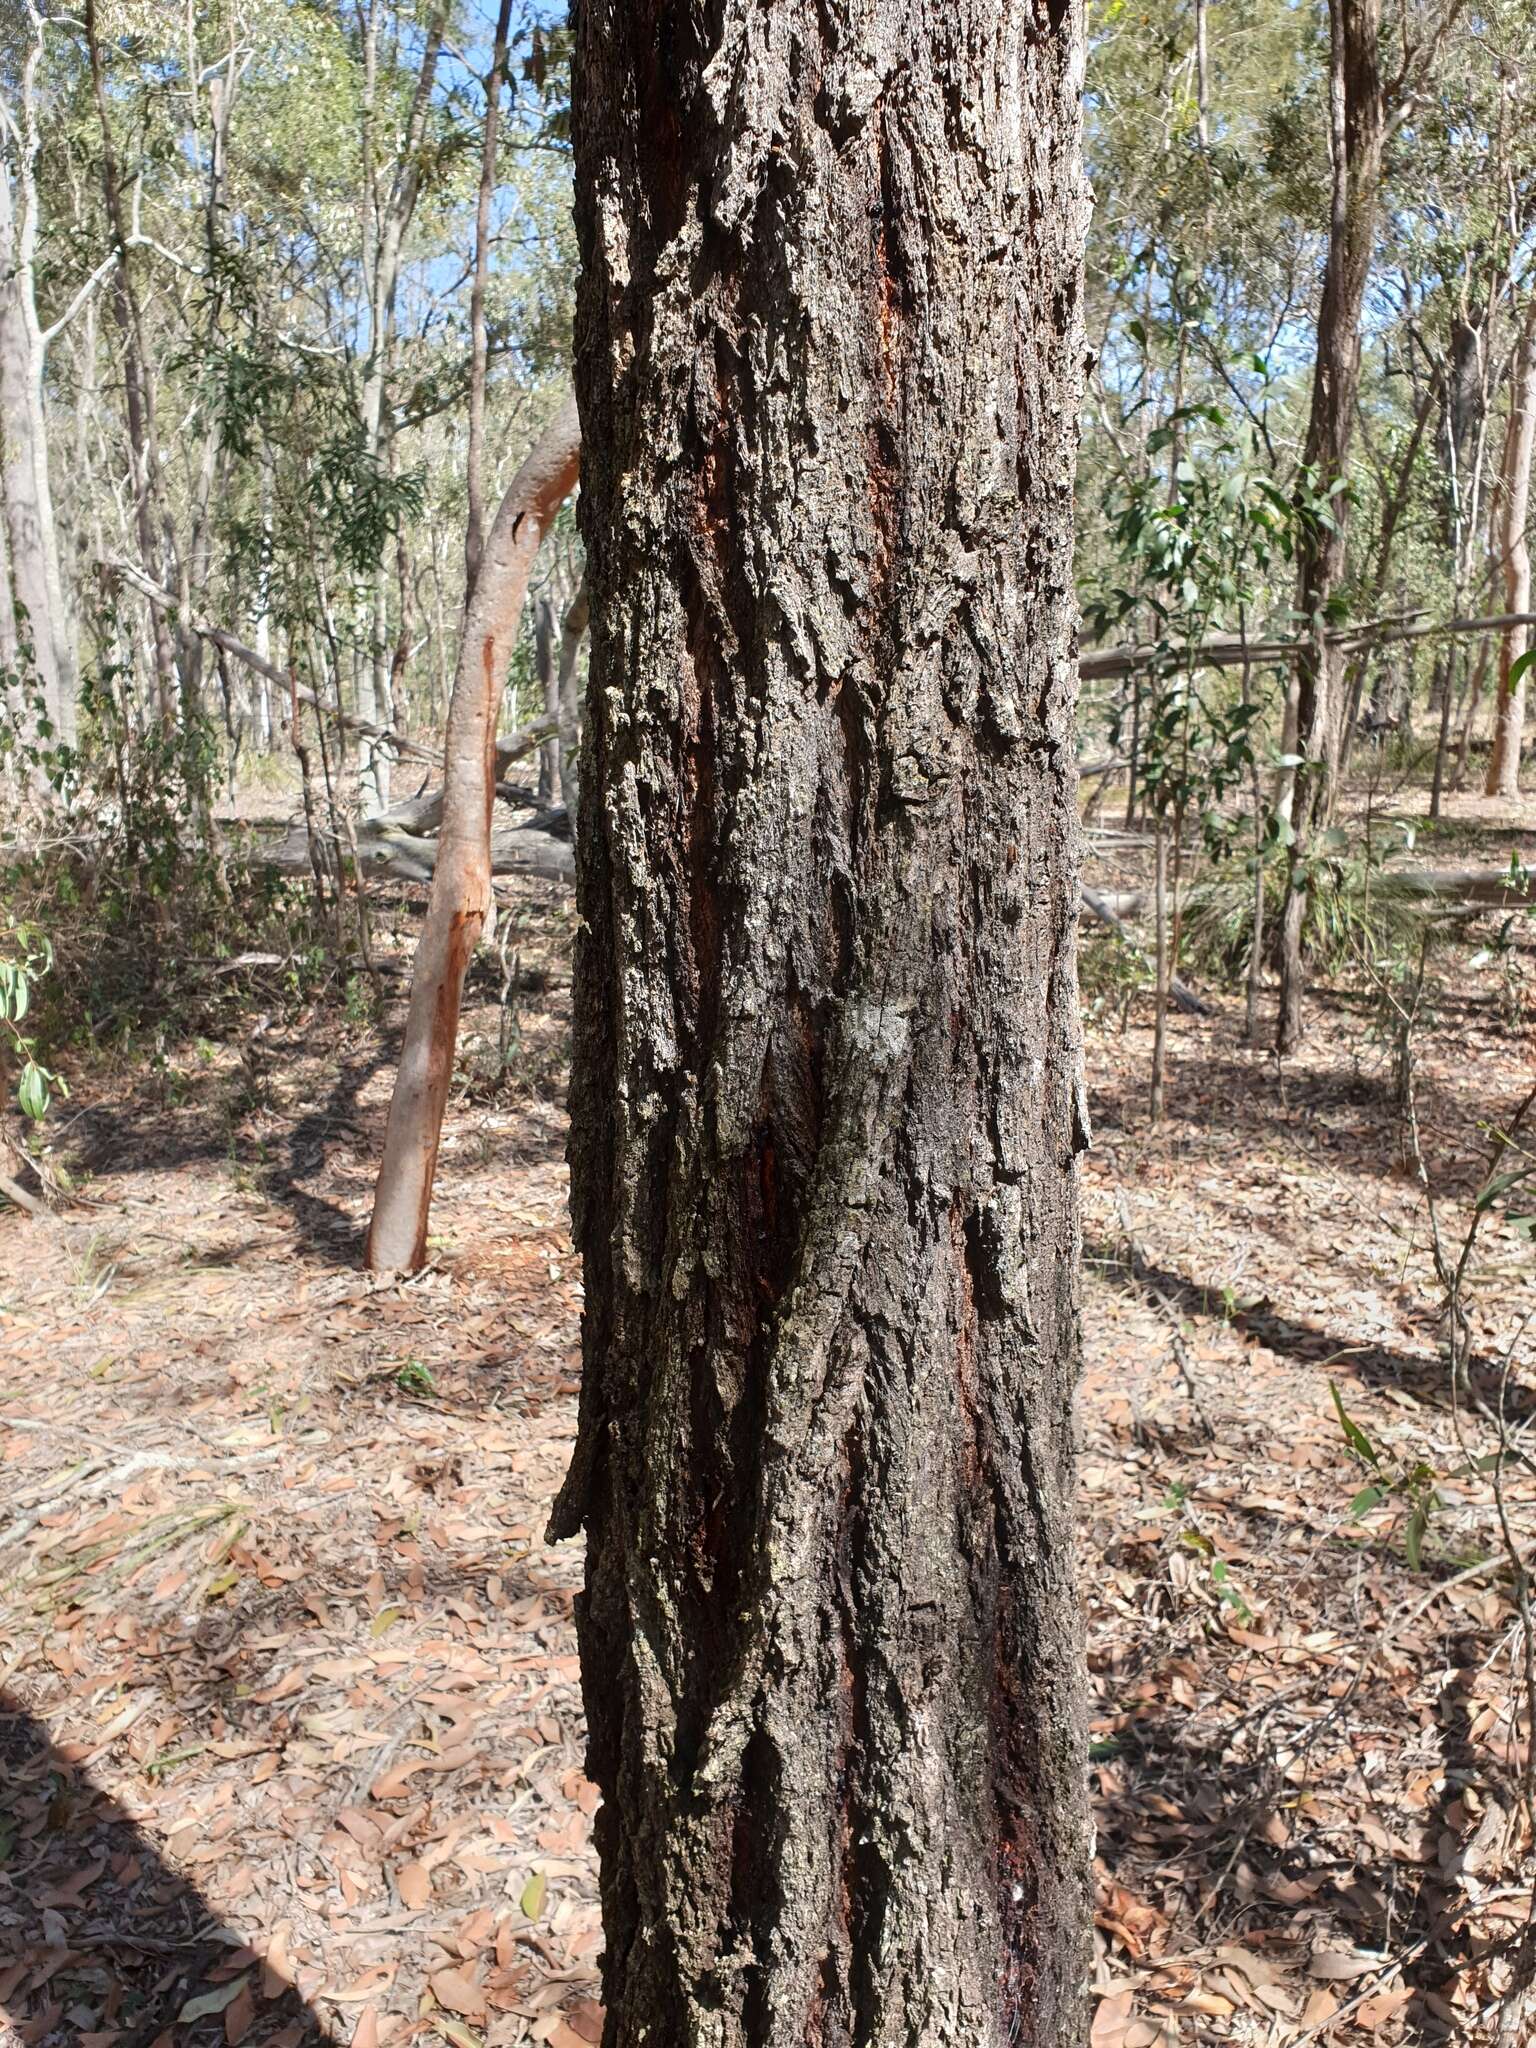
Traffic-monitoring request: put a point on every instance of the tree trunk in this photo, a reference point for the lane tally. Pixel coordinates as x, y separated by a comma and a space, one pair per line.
479, 335
1255, 975
572, 632
1391, 517
546, 679
1448, 669
385, 219
1156, 1090
1469, 719
31, 540
827, 1092
138, 388
1519, 441
461, 882
1358, 128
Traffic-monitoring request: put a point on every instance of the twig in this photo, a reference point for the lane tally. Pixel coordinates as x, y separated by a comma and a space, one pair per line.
1181, 1358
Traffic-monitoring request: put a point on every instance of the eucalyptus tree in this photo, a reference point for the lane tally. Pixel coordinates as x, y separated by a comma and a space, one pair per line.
1515, 551
34, 577
266, 215
1201, 556
827, 1093
1207, 230
1374, 83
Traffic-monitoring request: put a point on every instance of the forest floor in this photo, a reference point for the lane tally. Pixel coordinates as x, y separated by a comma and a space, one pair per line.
290, 1729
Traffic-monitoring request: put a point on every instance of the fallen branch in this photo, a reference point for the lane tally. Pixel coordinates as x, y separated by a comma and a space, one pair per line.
423, 812
386, 849
1490, 887
1365, 634
1096, 666
1183, 995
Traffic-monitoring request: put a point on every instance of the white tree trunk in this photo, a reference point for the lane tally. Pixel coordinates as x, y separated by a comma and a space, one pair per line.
1519, 442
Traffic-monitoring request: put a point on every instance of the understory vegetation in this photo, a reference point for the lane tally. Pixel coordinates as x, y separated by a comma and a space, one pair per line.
291, 1740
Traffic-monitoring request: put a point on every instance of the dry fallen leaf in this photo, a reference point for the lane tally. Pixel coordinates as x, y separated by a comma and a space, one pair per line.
1377, 2010
1111, 2020
459, 1993
1340, 1966
276, 1970
239, 2013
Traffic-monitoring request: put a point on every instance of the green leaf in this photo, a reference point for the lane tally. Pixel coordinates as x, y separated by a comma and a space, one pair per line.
1517, 669
1418, 1523
32, 1092
1354, 1435
1500, 1185
531, 1903
1367, 1498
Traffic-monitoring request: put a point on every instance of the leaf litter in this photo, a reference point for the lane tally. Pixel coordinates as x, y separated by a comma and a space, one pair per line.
296, 1738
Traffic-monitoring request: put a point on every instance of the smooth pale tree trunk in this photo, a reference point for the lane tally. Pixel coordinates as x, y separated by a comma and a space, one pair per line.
24, 520
154, 531
461, 882
13, 706
1315, 704
30, 532
479, 333
386, 219
1519, 442
827, 1084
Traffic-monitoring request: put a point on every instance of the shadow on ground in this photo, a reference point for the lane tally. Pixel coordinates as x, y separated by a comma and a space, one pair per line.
101, 1942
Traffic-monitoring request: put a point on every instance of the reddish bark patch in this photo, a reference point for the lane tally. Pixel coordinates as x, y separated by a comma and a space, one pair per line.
490, 703
463, 930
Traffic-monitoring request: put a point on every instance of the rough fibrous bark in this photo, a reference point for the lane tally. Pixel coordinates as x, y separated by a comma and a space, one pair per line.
1514, 515
461, 880
827, 1093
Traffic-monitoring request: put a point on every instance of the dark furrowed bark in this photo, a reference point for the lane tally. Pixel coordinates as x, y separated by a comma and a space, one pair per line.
826, 1092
